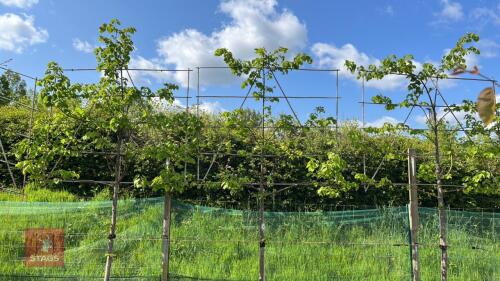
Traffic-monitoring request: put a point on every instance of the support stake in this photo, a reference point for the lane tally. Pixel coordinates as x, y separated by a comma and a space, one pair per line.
413, 214
167, 206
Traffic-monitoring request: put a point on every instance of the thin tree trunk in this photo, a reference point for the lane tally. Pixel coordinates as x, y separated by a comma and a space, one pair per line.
440, 197
114, 207
167, 205
262, 225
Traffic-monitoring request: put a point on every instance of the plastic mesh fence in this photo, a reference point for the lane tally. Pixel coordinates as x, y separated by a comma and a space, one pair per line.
222, 244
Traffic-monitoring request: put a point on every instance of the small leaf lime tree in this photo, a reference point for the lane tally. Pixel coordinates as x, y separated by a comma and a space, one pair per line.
100, 118
258, 74
423, 92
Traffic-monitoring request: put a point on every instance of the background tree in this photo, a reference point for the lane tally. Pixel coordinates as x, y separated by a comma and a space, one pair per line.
12, 88
91, 119
258, 73
423, 92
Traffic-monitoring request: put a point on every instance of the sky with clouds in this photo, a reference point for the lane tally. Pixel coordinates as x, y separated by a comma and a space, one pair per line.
184, 34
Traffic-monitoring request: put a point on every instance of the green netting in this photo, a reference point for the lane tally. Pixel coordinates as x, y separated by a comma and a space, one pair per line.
222, 244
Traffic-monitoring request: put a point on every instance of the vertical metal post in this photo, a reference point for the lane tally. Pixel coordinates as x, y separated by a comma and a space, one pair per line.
8, 164
33, 100
413, 214
198, 120
363, 120
187, 116
167, 206
337, 104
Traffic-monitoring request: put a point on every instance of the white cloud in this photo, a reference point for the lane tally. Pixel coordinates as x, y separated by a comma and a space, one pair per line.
441, 113
483, 15
19, 3
331, 56
452, 11
448, 117
178, 104
211, 107
378, 123
143, 77
489, 48
17, 33
254, 24
389, 10
83, 46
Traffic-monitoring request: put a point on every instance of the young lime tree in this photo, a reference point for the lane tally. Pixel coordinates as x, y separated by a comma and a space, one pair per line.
258, 76
84, 120
423, 92
165, 146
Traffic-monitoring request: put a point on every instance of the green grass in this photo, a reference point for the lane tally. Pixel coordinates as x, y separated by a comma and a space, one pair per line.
220, 244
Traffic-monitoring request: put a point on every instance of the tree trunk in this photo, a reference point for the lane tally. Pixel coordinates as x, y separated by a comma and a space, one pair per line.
114, 207
166, 236
440, 197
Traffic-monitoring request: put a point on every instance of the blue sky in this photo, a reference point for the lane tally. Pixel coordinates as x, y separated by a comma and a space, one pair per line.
182, 34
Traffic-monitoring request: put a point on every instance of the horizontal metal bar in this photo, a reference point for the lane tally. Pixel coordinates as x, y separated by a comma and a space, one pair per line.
102, 153
395, 104
96, 182
269, 97
19, 73
429, 184
132, 69
257, 155
9, 163
289, 68
271, 127
424, 129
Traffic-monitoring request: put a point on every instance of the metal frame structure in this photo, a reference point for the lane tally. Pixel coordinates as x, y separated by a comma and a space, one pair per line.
261, 186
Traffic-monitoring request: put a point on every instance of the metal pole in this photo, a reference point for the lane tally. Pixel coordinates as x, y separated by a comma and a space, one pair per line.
7, 163
337, 105
413, 213
198, 120
363, 120
31, 122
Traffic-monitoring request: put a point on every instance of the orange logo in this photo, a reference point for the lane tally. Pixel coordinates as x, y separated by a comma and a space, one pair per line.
44, 247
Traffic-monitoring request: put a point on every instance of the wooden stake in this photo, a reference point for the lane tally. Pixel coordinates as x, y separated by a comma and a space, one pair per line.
167, 206
413, 213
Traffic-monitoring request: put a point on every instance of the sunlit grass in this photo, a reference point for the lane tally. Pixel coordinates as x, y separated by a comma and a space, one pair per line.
220, 244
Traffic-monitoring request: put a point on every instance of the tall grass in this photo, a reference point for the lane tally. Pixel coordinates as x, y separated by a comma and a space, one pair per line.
222, 244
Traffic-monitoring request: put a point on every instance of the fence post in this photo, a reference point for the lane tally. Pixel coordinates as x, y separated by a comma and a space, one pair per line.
167, 205
413, 214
